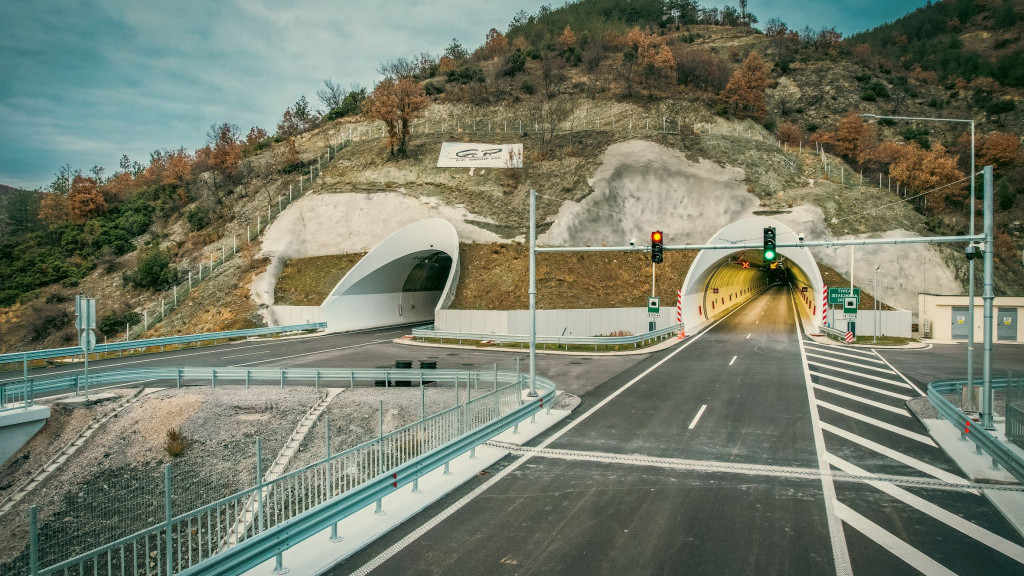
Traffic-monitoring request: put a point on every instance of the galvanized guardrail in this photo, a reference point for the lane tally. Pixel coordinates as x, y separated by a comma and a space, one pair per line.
241, 531
19, 357
660, 334
983, 439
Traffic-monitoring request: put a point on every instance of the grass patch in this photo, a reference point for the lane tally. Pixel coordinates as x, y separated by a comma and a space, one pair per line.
307, 281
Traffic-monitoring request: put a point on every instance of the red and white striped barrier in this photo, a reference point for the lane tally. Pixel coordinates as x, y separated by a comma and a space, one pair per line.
849, 337
679, 313
824, 305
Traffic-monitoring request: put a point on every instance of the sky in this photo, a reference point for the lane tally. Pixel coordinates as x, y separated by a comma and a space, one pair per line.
84, 81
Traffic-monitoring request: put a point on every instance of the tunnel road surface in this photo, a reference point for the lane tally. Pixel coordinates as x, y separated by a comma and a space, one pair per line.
724, 455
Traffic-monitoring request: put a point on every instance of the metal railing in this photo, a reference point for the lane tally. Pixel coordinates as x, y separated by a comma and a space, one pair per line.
1015, 411
19, 357
239, 532
983, 439
635, 339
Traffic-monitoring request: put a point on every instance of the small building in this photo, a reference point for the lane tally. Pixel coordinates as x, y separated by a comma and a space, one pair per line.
945, 317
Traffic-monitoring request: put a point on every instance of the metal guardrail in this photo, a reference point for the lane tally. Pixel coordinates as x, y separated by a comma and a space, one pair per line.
660, 334
983, 439
834, 331
273, 516
15, 357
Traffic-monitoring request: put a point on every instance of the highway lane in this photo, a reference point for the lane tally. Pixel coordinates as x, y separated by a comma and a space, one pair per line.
368, 349
565, 516
745, 482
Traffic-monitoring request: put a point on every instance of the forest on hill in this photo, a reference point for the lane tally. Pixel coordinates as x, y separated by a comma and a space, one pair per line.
138, 224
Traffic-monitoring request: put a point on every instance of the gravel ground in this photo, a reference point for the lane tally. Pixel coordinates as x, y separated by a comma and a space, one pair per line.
354, 418
923, 409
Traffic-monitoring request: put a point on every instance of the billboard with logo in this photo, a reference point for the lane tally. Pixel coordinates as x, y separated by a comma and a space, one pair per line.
471, 155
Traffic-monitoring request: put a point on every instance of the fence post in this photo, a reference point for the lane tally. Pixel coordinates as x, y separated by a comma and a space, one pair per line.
259, 484
247, 378
282, 378
316, 382
33, 540
178, 371
168, 515
213, 377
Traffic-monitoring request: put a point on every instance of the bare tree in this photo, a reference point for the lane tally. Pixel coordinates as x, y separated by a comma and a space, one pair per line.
332, 95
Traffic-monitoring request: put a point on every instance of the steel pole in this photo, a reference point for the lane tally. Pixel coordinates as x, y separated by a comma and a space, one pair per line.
988, 296
533, 294
969, 404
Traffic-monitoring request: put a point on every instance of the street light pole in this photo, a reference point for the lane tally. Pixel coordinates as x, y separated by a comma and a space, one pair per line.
877, 307
533, 294
968, 401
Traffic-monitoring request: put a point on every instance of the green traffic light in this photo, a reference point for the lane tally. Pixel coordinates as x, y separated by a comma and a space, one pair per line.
769, 255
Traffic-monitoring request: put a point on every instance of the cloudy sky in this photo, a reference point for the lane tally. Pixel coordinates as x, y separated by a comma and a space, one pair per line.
85, 81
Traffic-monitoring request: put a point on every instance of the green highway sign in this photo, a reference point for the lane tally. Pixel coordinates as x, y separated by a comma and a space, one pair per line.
839, 295
653, 305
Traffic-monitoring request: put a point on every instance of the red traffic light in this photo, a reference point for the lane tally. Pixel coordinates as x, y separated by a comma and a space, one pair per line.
656, 236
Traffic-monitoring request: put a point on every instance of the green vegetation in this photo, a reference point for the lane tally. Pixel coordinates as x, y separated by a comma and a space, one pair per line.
931, 37
154, 270
39, 256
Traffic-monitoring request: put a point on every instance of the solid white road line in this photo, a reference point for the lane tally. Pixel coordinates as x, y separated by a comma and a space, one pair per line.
897, 456
840, 553
880, 368
875, 422
693, 423
912, 556
441, 516
868, 376
900, 374
862, 386
748, 337
733, 360
978, 533
854, 397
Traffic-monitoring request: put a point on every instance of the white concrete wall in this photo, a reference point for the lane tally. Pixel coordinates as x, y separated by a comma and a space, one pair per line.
288, 315
358, 311
890, 323
577, 322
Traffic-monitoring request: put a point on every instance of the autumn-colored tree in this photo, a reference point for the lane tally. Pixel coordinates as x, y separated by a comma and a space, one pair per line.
922, 169
496, 44
226, 148
289, 126
291, 153
397, 103
567, 41
789, 133
53, 208
84, 201
119, 186
1000, 149
862, 53
257, 134
854, 139
445, 65
665, 64
744, 95
179, 167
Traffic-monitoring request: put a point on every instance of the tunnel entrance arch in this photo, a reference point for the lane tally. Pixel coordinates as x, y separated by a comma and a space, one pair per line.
720, 280
404, 279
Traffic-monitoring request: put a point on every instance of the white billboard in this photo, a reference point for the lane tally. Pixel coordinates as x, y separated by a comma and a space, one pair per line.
472, 155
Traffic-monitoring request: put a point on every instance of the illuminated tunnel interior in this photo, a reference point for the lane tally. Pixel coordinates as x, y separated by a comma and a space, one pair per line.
720, 280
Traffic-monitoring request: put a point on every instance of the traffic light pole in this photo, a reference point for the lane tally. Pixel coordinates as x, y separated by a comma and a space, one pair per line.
533, 294
988, 297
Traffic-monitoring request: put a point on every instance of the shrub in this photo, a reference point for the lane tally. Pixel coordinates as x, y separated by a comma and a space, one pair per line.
812, 127
515, 63
878, 88
198, 218
527, 86
433, 88
1005, 195
112, 324
176, 443
867, 96
154, 270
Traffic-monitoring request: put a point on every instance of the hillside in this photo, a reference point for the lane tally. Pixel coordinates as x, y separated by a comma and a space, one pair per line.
620, 110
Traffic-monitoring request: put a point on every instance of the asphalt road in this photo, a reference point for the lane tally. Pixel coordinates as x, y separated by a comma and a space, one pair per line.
719, 456
374, 348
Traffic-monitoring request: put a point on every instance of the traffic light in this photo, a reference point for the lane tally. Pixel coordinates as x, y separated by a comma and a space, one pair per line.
657, 247
769, 244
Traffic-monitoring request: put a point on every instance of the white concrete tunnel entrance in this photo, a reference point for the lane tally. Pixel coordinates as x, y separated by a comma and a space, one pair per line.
718, 281
401, 280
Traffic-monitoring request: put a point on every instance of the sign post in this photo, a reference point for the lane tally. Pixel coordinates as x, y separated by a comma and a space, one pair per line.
85, 322
653, 311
